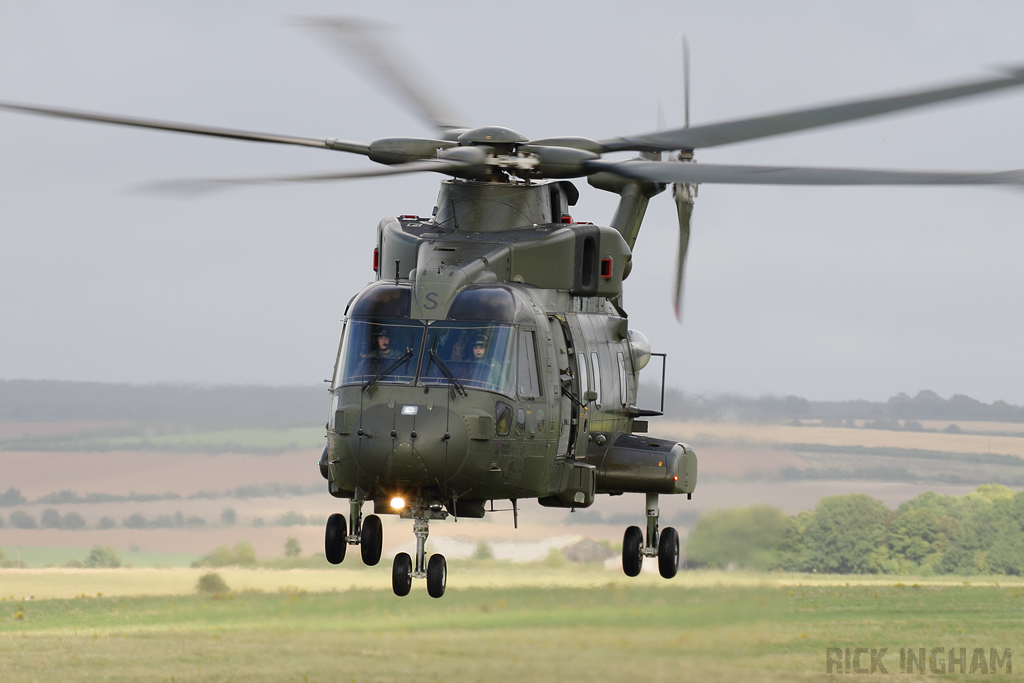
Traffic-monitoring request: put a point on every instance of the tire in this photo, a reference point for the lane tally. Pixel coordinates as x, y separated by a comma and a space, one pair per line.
401, 574
371, 541
632, 551
668, 553
335, 543
437, 576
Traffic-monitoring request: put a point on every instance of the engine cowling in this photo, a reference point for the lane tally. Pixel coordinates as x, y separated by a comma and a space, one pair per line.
630, 463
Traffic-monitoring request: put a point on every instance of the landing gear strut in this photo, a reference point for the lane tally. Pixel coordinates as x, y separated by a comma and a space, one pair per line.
367, 533
663, 545
403, 571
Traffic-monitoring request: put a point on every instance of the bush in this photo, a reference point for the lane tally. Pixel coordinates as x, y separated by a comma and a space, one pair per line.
106, 523
847, 535
22, 520
73, 521
483, 551
291, 518
103, 556
242, 555
292, 547
228, 516
194, 521
12, 497
211, 582
162, 522
74, 564
748, 537
50, 519
2, 522
136, 521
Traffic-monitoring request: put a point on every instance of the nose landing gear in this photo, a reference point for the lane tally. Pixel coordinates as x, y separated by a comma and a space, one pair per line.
663, 545
435, 571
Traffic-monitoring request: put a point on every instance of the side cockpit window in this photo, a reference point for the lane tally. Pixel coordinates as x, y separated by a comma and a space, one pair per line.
529, 383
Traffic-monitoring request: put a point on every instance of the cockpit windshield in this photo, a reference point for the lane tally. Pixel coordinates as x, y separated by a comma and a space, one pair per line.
372, 347
478, 354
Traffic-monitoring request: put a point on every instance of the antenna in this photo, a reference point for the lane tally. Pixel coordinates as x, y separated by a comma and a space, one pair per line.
686, 82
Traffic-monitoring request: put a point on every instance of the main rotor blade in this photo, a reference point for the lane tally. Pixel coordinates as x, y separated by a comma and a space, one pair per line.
661, 172
325, 143
714, 134
203, 186
361, 40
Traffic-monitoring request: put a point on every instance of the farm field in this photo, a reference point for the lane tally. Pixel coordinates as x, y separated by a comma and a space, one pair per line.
995, 438
544, 625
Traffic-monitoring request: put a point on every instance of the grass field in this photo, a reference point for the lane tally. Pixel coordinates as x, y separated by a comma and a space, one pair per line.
42, 556
700, 626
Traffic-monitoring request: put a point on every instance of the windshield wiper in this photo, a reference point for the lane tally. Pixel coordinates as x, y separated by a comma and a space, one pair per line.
447, 372
387, 371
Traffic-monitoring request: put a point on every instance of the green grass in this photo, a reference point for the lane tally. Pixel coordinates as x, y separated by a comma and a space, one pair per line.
666, 631
38, 556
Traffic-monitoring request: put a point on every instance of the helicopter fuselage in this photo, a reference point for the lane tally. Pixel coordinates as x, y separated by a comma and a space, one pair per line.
491, 359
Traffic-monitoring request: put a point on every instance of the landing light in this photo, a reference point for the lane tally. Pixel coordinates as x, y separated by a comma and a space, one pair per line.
397, 503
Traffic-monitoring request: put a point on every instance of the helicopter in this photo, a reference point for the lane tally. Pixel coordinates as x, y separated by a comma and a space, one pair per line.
491, 358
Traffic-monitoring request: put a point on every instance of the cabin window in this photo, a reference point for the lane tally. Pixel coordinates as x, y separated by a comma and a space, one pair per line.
385, 301
597, 378
622, 380
521, 422
503, 423
371, 347
480, 356
529, 384
581, 362
483, 303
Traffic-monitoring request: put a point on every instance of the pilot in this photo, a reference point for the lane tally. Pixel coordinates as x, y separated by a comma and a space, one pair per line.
381, 344
480, 349
484, 369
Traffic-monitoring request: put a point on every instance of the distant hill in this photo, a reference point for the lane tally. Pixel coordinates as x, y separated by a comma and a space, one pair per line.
186, 404
56, 401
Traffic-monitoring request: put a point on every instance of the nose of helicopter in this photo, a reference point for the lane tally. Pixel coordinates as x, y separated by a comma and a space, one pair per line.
409, 445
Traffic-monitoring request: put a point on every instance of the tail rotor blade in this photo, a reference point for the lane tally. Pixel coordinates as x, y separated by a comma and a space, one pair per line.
683, 193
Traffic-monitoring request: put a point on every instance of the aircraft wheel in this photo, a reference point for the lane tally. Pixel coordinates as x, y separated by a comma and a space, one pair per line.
401, 574
334, 540
437, 575
371, 541
632, 551
668, 552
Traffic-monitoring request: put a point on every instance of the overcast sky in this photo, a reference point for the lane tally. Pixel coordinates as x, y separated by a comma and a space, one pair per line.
825, 293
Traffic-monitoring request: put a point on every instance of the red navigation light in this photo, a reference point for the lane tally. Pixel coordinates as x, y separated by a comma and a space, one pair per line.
376, 259
566, 218
606, 268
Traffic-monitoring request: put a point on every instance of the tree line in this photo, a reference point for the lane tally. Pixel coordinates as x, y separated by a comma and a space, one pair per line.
979, 533
926, 405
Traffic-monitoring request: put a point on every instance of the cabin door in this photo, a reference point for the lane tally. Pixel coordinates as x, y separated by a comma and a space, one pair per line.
568, 413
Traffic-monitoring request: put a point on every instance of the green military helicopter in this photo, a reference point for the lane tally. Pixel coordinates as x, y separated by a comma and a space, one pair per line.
491, 358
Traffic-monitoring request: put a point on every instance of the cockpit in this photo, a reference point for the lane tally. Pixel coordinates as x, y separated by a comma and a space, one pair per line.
476, 347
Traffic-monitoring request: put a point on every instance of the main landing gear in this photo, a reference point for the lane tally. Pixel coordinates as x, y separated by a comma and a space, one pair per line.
663, 545
435, 571
368, 534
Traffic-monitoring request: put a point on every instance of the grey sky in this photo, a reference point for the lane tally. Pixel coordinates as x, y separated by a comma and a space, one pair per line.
827, 293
